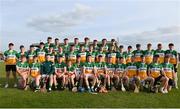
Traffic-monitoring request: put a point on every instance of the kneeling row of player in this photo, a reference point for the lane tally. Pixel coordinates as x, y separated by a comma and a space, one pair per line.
102, 76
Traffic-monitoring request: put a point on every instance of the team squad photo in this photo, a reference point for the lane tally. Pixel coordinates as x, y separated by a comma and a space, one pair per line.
97, 66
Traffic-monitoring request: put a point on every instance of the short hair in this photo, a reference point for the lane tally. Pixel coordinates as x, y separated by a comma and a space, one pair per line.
31, 46
171, 44
159, 44
86, 38
41, 43
138, 45
104, 39
95, 40
49, 38
22, 46
35, 56
76, 38
78, 56
66, 39
129, 46
100, 56
121, 46
56, 39
149, 44
112, 40
11, 44
142, 56
156, 56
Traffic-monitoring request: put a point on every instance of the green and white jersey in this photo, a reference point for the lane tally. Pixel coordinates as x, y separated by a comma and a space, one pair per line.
56, 47
59, 67
161, 54
46, 45
82, 55
96, 48
30, 55
11, 57
148, 56
22, 65
93, 55
137, 54
100, 65
52, 55
155, 69
131, 69
35, 66
103, 54
77, 47
105, 48
128, 56
66, 48
168, 69
21, 54
86, 47
71, 69
173, 56
120, 67
58, 54
142, 66
71, 56
110, 66
88, 66
78, 67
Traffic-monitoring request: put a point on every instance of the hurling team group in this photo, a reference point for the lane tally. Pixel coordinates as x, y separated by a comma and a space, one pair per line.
97, 66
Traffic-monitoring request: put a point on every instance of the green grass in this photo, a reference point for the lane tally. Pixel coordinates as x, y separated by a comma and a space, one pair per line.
12, 97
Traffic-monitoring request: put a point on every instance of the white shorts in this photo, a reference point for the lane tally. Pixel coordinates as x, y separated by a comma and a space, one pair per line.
89, 75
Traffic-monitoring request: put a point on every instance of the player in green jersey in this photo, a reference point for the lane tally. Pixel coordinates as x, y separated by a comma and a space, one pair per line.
30, 54
22, 52
113, 54
41, 53
104, 45
35, 73
92, 53
148, 54
51, 52
155, 71
56, 45
168, 70
160, 52
121, 53
89, 73
10, 59
79, 75
174, 59
60, 53
110, 69
76, 44
71, 71
49, 41
119, 74
71, 55
102, 53
66, 45
60, 70
86, 43
137, 53
131, 75
47, 71
101, 72
82, 53
95, 46
128, 54
23, 71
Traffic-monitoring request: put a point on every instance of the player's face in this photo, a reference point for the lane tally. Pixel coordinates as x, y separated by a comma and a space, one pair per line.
65, 41
120, 49
11, 47
171, 47
49, 40
51, 49
48, 57
69, 63
87, 41
160, 47
129, 49
72, 48
57, 41
60, 49
82, 48
76, 41
149, 47
95, 42
100, 59
78, 59
41, 46
32, 48
35, 59
155, 59
89, 59
110, 60
22, 49
23, 59
121, 60
60, 60
138, 48
104, 42
91, 48
143, 59
132, 59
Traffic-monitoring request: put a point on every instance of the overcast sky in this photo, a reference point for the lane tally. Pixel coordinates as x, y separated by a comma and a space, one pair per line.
132, 21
